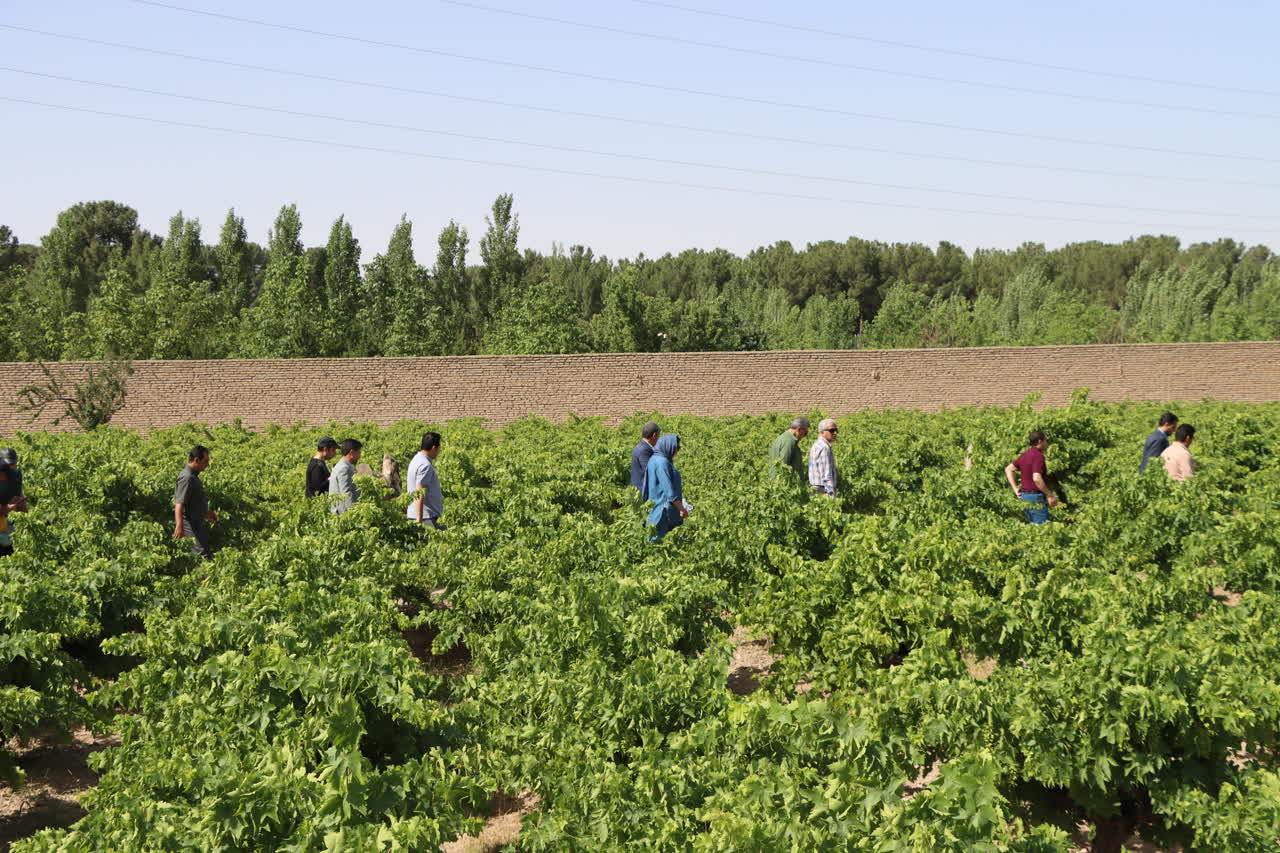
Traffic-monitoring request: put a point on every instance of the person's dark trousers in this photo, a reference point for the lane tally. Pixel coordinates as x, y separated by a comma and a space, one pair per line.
6, 550
198, 533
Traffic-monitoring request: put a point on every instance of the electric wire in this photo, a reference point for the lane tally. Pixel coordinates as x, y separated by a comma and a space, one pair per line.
602, 175
640, 122
628, 156
986, 57
724, 96
850, 66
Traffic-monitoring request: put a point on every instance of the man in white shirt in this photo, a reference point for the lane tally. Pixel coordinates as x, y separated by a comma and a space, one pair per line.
822, 462
1179, 464
423, 482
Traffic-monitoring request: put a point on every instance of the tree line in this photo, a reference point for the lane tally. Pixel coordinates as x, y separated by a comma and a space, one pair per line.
98, 286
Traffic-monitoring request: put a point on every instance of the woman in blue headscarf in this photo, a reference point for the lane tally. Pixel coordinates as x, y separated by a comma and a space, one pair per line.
663, 486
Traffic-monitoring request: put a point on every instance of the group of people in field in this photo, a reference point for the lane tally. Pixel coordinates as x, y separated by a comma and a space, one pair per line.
1031, 484
191, 514
653, 474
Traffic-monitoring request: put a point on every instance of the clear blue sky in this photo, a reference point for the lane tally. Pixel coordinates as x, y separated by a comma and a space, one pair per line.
55, 158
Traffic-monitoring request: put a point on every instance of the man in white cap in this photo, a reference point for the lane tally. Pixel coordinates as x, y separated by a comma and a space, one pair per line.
822, 462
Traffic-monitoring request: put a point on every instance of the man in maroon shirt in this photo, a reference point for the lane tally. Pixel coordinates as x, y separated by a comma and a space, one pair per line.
1032, 485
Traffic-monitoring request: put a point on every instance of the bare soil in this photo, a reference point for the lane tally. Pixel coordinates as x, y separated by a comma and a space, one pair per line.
454, 663
502, 827
1226, 596
751, 661
57, 774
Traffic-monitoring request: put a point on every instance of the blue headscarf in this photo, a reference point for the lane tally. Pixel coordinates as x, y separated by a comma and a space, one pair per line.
665, 449
664, 486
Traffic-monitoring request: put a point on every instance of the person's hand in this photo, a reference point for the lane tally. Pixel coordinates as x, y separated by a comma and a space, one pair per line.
1017, 494
1053, 501
177, 533
684, 513
211, 515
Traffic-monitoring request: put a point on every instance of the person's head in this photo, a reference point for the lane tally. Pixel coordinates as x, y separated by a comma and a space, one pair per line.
198, 457
828, 429
430, 444
1184, 434
8, 454
350, 448
326, 448
5, 468
1037, 439
800, 427
667, 445
650, 432
1168, 422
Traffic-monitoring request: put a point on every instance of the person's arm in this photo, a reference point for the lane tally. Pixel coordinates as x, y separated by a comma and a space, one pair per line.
420, 501
1043, 486
179, 511
1008, 474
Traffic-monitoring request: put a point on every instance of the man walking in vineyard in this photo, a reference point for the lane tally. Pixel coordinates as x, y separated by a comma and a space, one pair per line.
1032, 485
8, 454
191, 515
822, 462
317, 470
428, 506
785, 455
342, 480
1158, 440
641, 455
1179, 464
11, 501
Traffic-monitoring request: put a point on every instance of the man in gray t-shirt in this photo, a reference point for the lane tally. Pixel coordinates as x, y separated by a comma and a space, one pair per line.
429, 506
191, 513
342, 479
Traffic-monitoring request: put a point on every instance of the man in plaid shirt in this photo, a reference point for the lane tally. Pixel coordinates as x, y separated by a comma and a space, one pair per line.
822, 463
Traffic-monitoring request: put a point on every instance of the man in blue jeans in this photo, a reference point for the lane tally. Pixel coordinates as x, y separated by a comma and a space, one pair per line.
1032, 485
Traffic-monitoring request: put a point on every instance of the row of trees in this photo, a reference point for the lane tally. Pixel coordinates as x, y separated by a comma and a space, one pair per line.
99, 286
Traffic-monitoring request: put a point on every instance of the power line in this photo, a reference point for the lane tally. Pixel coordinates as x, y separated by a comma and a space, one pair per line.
987, 57
724, 96
851, 66
736, 134
601, 175
626, 156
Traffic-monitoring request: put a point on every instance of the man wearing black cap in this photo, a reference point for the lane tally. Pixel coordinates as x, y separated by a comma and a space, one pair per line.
317, 471
641, 454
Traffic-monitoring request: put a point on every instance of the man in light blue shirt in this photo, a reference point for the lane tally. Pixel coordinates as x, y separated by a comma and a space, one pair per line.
342, 480
427, 507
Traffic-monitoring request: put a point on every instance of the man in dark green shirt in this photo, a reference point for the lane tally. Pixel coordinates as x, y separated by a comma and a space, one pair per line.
785, 453
191, 515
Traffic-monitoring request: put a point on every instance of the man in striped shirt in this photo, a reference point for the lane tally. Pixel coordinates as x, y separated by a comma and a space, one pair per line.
822, 462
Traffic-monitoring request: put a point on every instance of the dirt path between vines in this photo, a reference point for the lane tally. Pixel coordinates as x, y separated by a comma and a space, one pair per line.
57, 774
502, 828
751, 661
